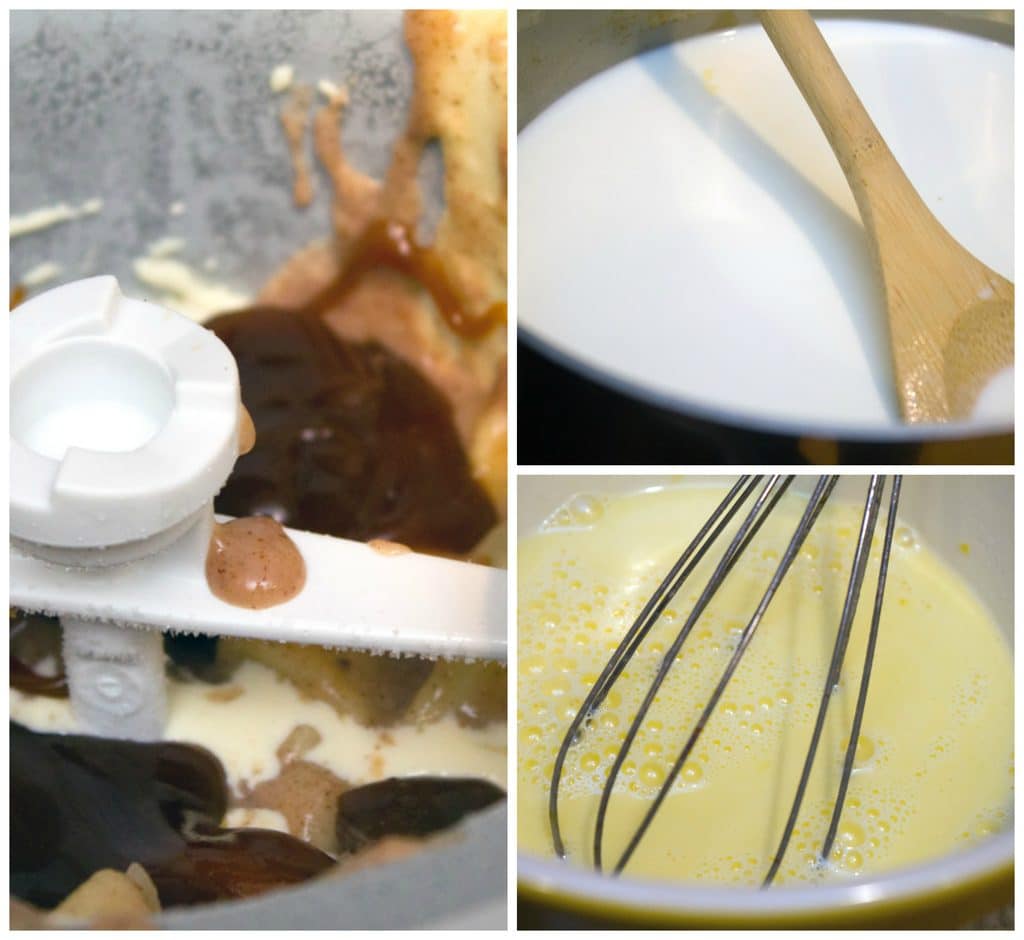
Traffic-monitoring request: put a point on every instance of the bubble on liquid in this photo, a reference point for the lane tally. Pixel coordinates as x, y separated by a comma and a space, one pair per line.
559, 519
851, 834
905, 537
584, 510
610, 720
556, 687
691, 774
653, 774
864, 753
852, 861
590, 761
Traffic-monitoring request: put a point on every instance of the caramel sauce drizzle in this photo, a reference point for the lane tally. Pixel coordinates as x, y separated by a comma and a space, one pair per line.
391, 244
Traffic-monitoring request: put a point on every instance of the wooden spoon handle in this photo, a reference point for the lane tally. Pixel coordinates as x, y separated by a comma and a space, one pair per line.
864, 156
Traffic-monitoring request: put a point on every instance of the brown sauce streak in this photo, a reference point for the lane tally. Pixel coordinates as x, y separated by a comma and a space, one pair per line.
306, 794
252, 563
294, 120
439, 306
391, 244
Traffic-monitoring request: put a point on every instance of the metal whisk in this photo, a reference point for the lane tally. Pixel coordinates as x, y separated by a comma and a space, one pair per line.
764, 503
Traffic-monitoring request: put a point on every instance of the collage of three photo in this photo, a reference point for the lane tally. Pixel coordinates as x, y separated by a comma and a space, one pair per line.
511, 469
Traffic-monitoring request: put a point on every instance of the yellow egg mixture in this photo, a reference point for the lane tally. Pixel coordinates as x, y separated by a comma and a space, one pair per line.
934, 767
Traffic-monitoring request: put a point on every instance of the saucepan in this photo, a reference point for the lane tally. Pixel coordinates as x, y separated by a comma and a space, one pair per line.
688, 243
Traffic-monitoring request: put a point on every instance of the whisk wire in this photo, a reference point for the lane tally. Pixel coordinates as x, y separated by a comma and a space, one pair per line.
821, 493
865, 679
667, 590
695, 552
859, 567
763, 506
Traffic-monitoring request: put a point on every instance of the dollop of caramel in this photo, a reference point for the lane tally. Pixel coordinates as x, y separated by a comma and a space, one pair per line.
253, 563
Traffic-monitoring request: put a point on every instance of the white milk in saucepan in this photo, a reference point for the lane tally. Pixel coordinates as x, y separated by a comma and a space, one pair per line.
685, 228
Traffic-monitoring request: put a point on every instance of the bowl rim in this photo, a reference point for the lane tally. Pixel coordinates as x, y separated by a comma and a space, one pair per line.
983, 867
685, 406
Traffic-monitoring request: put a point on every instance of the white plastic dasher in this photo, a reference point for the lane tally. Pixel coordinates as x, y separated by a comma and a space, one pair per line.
124, 426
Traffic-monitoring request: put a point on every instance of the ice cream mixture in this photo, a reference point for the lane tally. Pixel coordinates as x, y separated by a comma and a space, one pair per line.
374, 371
934, 764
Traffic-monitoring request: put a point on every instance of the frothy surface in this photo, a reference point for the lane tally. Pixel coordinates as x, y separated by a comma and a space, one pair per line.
934, 767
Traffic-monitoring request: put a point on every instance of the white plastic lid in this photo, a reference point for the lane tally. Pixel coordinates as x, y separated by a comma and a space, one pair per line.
123, 417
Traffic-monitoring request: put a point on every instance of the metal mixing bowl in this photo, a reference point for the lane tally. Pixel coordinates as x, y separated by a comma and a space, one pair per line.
143, 110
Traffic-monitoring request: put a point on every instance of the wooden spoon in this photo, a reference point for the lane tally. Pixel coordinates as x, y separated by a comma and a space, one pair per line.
950, 316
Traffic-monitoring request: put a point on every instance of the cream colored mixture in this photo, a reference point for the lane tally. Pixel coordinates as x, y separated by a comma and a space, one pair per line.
934, 766
246, 722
